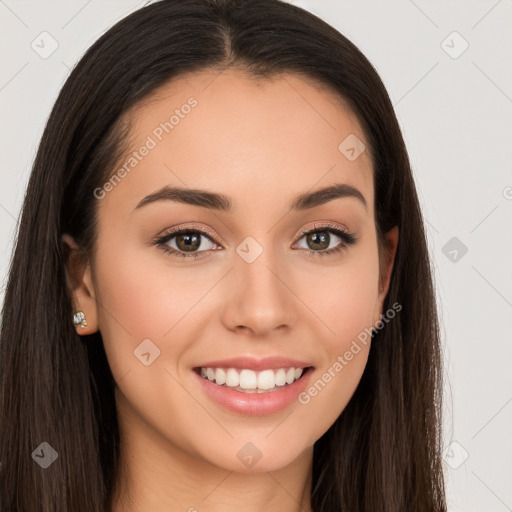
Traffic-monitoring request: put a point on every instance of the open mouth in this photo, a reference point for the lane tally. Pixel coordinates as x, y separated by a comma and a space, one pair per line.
249, 381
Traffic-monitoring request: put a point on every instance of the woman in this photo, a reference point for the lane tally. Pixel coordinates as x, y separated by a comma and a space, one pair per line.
220, 294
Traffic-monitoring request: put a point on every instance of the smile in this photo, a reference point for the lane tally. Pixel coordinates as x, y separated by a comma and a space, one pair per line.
253, 392
250, 381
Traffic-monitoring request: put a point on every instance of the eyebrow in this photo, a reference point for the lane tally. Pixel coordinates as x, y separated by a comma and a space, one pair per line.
220, 202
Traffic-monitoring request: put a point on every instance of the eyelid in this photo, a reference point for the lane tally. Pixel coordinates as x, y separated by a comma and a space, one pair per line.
322, 225
189, 227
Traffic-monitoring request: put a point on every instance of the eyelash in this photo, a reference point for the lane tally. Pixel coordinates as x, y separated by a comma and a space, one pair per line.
348, 239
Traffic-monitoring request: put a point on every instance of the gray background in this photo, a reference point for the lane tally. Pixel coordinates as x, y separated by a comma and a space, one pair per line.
454, 107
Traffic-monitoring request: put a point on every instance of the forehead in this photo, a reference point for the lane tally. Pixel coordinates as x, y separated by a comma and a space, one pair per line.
249, 138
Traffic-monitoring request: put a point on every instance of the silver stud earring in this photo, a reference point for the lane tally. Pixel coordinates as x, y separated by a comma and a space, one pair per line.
79, 319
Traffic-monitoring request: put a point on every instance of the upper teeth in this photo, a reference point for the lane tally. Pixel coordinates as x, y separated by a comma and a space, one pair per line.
249, 379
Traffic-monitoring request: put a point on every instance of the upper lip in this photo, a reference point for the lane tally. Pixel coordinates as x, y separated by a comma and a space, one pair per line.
252, 363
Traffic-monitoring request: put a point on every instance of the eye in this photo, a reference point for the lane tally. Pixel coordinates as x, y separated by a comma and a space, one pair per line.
319, 238
185, 242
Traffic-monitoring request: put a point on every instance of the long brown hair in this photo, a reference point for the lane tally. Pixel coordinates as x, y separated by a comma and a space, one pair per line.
383, 452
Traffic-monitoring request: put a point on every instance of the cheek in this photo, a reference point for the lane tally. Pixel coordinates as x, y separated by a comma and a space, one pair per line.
331, 388
343, 298
142, 298
348, 308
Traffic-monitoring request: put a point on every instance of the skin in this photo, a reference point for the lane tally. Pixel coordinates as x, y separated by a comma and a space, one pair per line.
261, 143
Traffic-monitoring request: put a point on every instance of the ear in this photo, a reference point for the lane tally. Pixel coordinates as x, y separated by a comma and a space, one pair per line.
80, 285
386, 265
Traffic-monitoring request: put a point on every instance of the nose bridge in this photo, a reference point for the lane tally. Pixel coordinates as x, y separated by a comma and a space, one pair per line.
260, 300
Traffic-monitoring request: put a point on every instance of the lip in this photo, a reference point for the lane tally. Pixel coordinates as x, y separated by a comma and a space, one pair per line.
257, 365
254, 404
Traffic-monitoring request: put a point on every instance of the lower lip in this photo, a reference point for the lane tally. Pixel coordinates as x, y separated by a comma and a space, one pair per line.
255, 404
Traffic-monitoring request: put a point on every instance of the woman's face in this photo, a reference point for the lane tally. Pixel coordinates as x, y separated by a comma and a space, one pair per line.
258, 291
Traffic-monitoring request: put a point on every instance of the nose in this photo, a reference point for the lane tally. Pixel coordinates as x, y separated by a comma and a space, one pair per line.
259, 299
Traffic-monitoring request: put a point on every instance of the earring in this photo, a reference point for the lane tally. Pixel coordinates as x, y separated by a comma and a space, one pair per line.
79, 319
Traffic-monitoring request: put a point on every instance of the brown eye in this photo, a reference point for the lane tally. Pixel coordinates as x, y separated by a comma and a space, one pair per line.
318, 240
188, 242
